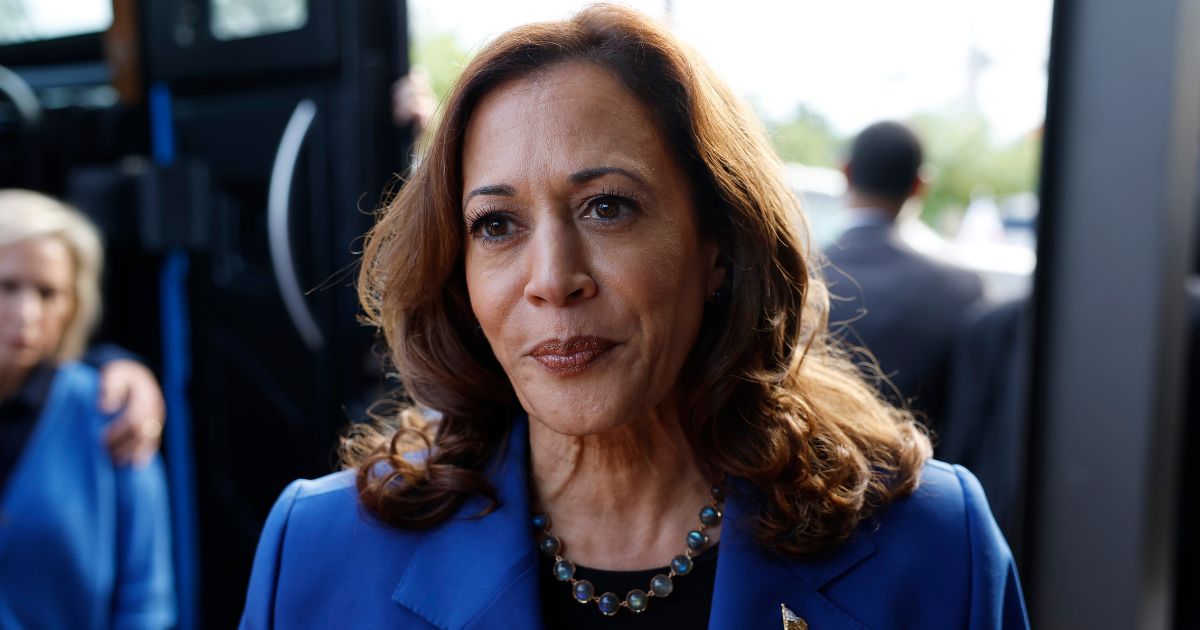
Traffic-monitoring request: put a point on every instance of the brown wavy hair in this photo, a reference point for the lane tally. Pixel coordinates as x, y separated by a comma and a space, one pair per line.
769, 399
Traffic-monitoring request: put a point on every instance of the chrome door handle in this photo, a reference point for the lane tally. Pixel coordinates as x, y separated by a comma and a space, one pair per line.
279, 197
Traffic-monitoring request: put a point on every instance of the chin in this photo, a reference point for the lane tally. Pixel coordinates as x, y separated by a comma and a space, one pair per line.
576, 425
580, 411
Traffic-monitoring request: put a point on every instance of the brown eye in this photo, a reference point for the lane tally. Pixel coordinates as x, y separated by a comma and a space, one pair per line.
494, 228
608, 209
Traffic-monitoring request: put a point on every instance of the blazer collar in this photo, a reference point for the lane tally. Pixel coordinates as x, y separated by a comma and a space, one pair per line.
482, 572
752, 582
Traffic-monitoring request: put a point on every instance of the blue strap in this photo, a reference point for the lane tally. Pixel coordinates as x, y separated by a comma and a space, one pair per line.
177, 364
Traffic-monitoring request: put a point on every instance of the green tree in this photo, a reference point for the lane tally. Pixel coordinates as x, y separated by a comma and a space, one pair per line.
442, 58
966, 159
806, 138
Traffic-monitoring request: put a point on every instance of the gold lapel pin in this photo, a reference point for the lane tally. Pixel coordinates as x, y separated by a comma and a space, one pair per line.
791, 621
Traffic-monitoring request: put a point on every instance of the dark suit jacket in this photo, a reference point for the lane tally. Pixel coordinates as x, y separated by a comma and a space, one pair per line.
932, 560
903, 307
986, 423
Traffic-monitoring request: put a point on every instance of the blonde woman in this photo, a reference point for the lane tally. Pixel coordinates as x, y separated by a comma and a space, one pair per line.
84, 543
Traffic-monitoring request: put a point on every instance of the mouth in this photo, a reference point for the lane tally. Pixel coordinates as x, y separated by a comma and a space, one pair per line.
572, 355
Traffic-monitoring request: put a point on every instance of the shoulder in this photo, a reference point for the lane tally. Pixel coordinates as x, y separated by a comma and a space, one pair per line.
305, 503
868, 250
319, 546
74, 396
941, 553
335, 487
943, 271
308, 509
76, 381
949, 513
947, 496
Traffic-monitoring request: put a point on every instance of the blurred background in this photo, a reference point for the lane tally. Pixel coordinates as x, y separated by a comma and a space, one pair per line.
232, 153
970, 77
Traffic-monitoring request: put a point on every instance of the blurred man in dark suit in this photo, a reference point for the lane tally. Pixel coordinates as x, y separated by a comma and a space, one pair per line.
900, 305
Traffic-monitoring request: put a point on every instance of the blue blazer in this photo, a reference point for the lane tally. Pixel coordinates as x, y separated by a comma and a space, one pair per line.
932, 560
83, 544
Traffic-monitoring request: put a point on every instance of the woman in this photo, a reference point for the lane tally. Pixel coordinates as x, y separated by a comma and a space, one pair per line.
83, 543
598, 282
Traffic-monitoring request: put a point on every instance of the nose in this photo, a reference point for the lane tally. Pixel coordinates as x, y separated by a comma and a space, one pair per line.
28, 308
559, 274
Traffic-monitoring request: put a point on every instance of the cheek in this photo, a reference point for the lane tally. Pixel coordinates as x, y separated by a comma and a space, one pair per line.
664, 274
493, 289
7, 312
55, 323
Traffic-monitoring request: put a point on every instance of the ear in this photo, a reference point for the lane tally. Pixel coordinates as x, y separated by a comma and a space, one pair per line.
918, 187
716, 270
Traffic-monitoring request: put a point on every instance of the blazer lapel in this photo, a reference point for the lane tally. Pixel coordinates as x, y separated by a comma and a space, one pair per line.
475, 573
752, 583
481, 572
29, 477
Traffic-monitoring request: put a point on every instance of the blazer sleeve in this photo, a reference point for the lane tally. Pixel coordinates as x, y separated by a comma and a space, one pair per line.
259, 613
996, 599
144, 596
100, 355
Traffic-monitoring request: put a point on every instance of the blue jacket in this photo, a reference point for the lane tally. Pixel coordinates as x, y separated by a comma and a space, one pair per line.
932, 560
83, 544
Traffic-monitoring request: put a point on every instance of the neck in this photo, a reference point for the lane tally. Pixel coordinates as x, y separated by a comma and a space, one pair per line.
621, 500
11, 378
891, 207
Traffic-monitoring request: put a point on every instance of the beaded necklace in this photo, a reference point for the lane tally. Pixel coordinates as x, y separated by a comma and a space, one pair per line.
661, 584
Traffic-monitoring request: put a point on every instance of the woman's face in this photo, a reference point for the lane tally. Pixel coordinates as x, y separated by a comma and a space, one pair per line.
584, 260
37, 298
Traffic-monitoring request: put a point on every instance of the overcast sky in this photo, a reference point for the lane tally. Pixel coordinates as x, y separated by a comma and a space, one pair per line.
854, 61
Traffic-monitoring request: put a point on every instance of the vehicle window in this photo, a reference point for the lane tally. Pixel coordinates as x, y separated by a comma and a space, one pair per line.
239, 19
34, 20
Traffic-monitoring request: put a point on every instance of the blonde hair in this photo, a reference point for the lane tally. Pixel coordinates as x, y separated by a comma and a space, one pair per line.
27, 215
771, 400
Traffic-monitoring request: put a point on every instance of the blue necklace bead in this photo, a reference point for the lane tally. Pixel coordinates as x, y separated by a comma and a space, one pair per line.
609, 604
710, 515
661, 585
564, 570
637, 600
550, 545
717, 493
584, 591
681, 565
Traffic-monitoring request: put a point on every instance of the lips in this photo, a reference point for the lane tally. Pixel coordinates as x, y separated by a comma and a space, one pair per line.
570, 356
21, 344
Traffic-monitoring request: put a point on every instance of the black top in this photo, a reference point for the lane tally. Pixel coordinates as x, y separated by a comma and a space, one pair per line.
18, 415
687, 607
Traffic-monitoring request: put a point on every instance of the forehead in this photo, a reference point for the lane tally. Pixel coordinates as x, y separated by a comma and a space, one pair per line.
572, 116
43, 259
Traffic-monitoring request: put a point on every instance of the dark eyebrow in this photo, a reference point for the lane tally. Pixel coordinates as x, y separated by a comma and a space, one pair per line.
588, 174
502, 190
